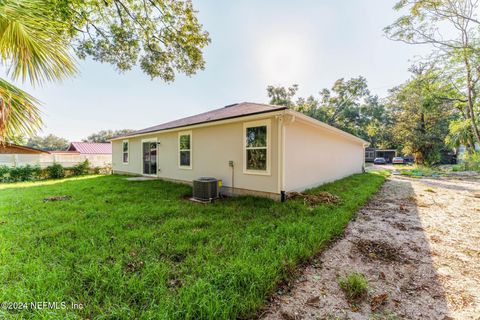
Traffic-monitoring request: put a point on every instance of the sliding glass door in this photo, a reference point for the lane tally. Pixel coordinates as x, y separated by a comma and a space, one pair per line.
150, 158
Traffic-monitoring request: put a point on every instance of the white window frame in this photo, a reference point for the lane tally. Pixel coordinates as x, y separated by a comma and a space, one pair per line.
141, 156
252, 124
128, 152
185, 133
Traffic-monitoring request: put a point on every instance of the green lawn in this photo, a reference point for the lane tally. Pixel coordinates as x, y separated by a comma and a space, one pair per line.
130, 250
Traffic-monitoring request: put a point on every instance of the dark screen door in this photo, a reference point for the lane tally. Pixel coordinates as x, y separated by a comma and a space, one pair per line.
149, 158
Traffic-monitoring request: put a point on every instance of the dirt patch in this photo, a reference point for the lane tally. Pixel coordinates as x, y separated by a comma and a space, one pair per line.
399, 226
314, 199
377, 301
418, 250
57, 198
379, 250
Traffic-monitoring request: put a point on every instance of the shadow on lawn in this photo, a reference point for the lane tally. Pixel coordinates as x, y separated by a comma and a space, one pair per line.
421, 293
32, 184
388, 244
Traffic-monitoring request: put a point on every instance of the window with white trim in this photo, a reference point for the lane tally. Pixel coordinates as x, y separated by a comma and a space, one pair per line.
256, 143
185, 150
125, 148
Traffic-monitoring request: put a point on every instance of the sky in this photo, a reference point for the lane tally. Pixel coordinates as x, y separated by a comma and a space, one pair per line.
254, 44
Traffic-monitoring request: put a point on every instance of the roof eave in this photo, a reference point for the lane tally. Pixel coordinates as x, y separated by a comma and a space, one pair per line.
27, 148
204, 123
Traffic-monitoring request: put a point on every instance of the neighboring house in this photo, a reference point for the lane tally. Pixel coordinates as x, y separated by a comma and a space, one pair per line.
98, 154
372, 153
252, 148
12, 155
9, 148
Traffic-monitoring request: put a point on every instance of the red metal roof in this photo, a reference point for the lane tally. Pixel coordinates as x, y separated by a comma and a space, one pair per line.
228, 112
91, 147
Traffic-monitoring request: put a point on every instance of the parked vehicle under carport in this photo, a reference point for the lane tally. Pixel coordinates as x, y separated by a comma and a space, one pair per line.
398, 160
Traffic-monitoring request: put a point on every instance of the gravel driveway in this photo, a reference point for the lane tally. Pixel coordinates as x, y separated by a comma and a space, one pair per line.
418, 244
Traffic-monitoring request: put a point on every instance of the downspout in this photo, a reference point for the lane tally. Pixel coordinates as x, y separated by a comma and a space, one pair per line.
365, 145
281, 156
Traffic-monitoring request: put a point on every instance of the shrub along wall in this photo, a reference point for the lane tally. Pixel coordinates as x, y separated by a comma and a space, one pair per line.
55, 171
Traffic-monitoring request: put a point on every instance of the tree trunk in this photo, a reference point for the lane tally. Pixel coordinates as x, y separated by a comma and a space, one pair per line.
470, 102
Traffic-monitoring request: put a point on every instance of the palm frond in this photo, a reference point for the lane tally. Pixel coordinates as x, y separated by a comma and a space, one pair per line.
31, 44
19, 112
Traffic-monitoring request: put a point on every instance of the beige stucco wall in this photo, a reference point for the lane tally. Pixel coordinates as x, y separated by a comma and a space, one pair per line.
315, 155
212, 148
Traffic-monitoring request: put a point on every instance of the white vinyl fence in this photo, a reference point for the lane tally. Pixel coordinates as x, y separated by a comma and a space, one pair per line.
44, 160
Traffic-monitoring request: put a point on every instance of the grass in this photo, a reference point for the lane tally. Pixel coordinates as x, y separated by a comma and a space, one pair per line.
136, 250
354, 285
417, 171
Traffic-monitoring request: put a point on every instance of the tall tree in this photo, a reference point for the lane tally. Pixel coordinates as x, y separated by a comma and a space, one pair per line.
342, 101
282, 96
348, 105
31, 45
48, 143
105, 135
163, 36
421, 115
452, 27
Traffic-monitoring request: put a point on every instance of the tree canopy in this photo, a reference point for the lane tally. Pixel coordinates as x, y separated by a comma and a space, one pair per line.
105, 135
33, 48
421, 115
347, 105
164, 37
48, 143
452, 28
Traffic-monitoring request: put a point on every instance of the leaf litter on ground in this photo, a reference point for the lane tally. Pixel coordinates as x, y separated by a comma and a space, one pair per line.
317, 198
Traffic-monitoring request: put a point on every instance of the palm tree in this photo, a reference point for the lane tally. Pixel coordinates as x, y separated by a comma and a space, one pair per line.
461, 133
31, 47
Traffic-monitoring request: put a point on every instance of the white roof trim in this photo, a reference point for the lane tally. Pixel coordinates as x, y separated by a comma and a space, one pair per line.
293, 113
262, 115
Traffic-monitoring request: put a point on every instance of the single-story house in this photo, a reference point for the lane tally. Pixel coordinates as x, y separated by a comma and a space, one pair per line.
10, 148
97, 153
12, 155
253, 148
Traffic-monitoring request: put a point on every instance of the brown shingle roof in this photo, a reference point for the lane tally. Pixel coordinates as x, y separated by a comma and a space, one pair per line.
228, 112
10, 148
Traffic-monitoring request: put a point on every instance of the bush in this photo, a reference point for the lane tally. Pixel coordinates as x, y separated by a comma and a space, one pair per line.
25, 173
354, 285
55, 171
22, 173
4, 173
471, 162
81, 168
432, 158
